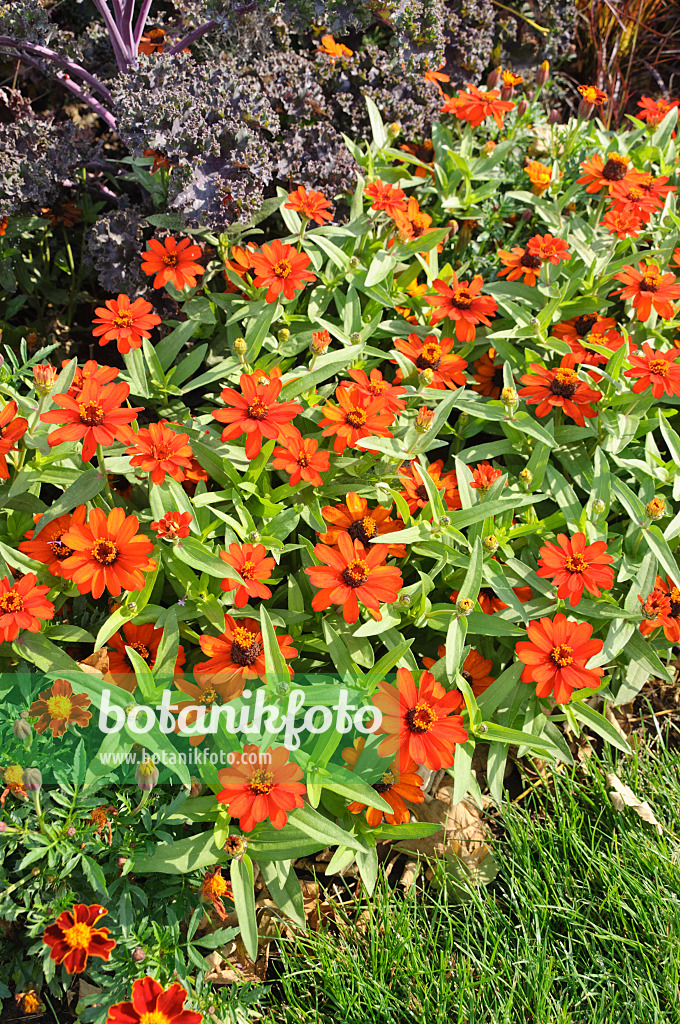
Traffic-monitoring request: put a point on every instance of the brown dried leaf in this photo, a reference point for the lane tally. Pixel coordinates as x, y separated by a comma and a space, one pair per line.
622, 796
97, 663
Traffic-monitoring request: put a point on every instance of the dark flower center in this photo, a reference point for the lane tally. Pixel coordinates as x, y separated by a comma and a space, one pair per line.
497, 379
564, 383
385, 784
282, 269
171, 259
261, 782
421, 491
363, 529
528, 260
10, 603
60, 550
356, 573
421, 718
575, 563
258, 410
651, 282
430, 358
245, 648
584, 324
675, 602
356, 417
461, 298
105, 552
91, 414
562, 655
615, 168
466, 676
142, 650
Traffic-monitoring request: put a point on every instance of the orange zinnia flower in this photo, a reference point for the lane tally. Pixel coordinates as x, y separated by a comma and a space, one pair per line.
662, 608
415, 492
548, 249
127, 323
583, 351
354, 417
256, 412
280, 268
520, 262
572, 565
484, 476
96, 417
559, 387
653, 187
555, 657
385, 197
630, 197
475, 670
175, 525
436, 76
601, 173
474, 106
654, 111
252, 565
152, 1004
22, 606
74, 937
310, 204
412, 222
580, 326
490, 603
143, 639
658, 370
90, 370
418, 721
12, 428
331, 49
540, 176
236, 655
489, 375
355, 520
240, 264
152, 42
159, 450
649, 288
173, 262
48, 547
299, 457
432, 353
58, 707
108, 553
374, 386
396, 785
462, 303
623, 225
351, 575
261, 786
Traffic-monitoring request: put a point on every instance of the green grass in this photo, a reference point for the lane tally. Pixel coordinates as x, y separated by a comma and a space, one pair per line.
582, 926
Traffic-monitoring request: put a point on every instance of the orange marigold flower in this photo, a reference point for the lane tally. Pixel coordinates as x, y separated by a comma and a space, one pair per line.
127, 323
280, 268
474, 106
435, 76
48, 547
12, 779
572, 565
152, 1004
12, 428
252, 565
475, 670
375, 386
662, 608
331, 49
519, 262
432, 353
351, 575
158, 450
108, 553
235, 656
418, 721
591, 94
96, 417
299, 457
145, 640
396, 785
630, 197
623, 225
22, 606
256, 412
358, 522
463, 304
549, 249
58, 707
489, 375
175, 525
484, 476
172, 262
540, 176
91, 370
213, 888
159, 159
559, 387
415, 492
658, 370
649, 289
555, 657
654, 111
261, 786
354, 417
601, 173
385, 197
310, 204
74, 937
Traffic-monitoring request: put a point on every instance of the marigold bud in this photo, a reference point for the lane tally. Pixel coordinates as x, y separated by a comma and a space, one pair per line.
585, 109
490, 544
522, 108
426, 377
320, 342
543, 74
424, 419
32, 780
3, 826
146, 775
465, 606
240, 346
598, 507
44, 377
196, 787
527, 477
554, 117
70, 832
509, 397
283, 335
138, 955
453, 225
493, 78
235, 846
21, 729
656, 508
526, 216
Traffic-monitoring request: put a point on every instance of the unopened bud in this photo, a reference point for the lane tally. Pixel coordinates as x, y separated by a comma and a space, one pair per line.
32, 780
195, 788
522, 108
146, 775
283, 335
527, 477
44, 377
598, 507
509, 397
3, 827
453, 227
426, 377
138, 955
445, 521
70, 832
488, 148
490, 544
554, 117
254, 537
235, 846
585, 109
355, 337
543, 74
424, 419
354, 262
526, 215
320, 342
465, 606
393, 130
493, 78
656, 508
240, 346
405, 600
21, 729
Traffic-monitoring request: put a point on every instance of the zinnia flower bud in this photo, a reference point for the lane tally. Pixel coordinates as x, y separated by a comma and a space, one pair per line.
405, 600
465, 606
320, 342
235, 846
543, 74
526, 476
598, 507
424, 419
196, 787
656, 508
488, 148
146, 775
355, 337
490, 544
393, 130
522, 108
32, 780
426, 377
44, 377
283, 335
240, 346
21, 729
445, 521
509, 397
254, 537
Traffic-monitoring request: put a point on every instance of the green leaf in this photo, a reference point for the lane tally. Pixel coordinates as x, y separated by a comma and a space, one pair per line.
136, 372
322, 829
200, 557
179, 858
382, 264
90, 483
284, 888
243, 888
276, 667
325, 367
377, 126
599, 724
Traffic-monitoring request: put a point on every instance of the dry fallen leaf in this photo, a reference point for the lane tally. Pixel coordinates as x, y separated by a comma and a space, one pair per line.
622, 796
97, 663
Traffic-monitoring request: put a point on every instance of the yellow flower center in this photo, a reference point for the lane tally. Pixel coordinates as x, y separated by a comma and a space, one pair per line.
261, 782
210, 697
430, 358
247, 570
462, 298
214, 887
421, 718
562, 655
575, 563
171, 259
142, 650
258, 410
91, 414
59, 707
60, 550
282, 268
124, 320
363, 529
659, 367
13, 775
154, 1017
10, 603
356, 573
105, 552
356, 417
78, 936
